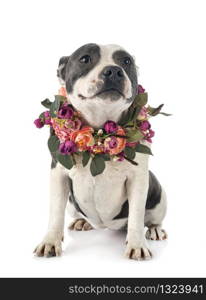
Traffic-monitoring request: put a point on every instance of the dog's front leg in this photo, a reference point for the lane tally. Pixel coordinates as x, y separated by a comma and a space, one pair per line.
59, 190
137, 188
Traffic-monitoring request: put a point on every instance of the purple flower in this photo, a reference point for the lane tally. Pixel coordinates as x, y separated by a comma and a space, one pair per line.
47, 114
67, 147
145, 125
110, 127
113, 142
48, 121
65, 112
140, 89
39, 123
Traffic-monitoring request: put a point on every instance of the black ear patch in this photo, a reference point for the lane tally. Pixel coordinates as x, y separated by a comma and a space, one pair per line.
61, 71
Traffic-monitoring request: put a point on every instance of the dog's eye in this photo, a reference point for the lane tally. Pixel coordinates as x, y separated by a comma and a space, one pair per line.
85, 59
127, 61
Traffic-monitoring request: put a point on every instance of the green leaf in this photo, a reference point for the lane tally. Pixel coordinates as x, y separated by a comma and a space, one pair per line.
141, 99
165, 114
143, 149
105, 156
53, 143
97, 165
133, 135
65, 160
55, 106
130, 152
46, 103
155, 111
60, 98
41, 116
131, 115
85, 158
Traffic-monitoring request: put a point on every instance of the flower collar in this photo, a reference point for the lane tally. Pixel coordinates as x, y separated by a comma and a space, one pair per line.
114, 141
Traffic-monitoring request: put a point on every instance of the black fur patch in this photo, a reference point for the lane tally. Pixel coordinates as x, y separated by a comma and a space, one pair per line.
130, 69
76, 69
153, 197
61, 71
72, 198
154, 193
53, 163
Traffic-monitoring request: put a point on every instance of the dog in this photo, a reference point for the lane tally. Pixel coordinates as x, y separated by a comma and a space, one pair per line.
101, 82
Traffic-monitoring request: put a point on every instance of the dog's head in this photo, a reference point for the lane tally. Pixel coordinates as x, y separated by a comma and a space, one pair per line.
99, 75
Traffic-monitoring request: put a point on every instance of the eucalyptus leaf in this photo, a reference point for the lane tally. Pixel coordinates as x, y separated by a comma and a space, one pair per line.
53, 143
46, 103
129, 152
60, 98
165, 114
97, 165
55, 106
155, 111
65, 160
41, 116
133, 135
105, 156
85, 158
141, 99
143, 149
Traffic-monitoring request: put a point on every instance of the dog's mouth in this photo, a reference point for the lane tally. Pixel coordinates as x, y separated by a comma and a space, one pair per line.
105, 93
109, 91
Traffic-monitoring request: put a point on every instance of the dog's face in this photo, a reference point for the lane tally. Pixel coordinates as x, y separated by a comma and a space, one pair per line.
99, 75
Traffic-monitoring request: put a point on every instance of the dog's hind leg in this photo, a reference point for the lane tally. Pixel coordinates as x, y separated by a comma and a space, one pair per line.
154, 218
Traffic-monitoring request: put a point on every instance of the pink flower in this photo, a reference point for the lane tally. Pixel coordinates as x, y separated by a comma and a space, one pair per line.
140, 89
63, 91
47, 114
110, 127
65, 112
39, 123
61, 131
118, 144
145, 125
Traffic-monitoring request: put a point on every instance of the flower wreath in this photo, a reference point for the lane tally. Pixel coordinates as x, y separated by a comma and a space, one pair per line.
114, 141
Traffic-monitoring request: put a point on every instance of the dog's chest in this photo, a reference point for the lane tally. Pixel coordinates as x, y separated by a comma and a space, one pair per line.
100, 198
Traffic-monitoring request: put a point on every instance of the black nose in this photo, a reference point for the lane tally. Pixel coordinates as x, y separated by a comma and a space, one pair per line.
112, 72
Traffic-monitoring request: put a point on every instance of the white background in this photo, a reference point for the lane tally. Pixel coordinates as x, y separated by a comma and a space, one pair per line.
168, 41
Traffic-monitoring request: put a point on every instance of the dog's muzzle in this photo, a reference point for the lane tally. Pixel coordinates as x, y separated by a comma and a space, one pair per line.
113, 83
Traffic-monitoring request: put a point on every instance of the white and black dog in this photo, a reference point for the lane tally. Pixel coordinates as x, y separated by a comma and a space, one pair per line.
101, 83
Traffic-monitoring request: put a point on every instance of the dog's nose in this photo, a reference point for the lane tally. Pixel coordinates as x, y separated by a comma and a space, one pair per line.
112, 72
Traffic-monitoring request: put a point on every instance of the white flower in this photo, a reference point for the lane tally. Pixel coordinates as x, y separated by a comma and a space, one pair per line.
115, 158
100, 132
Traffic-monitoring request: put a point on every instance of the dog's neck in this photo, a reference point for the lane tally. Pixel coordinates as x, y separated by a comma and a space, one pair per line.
96, 114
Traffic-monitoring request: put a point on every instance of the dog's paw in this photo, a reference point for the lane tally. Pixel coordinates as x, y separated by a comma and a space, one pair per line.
156, 233
49, 247
80, 224
138, 253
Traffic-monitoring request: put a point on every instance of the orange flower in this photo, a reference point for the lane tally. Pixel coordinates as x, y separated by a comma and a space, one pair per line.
120, 142
83, 138
63, 92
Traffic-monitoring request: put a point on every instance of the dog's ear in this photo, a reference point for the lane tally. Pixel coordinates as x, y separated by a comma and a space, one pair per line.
61, 71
